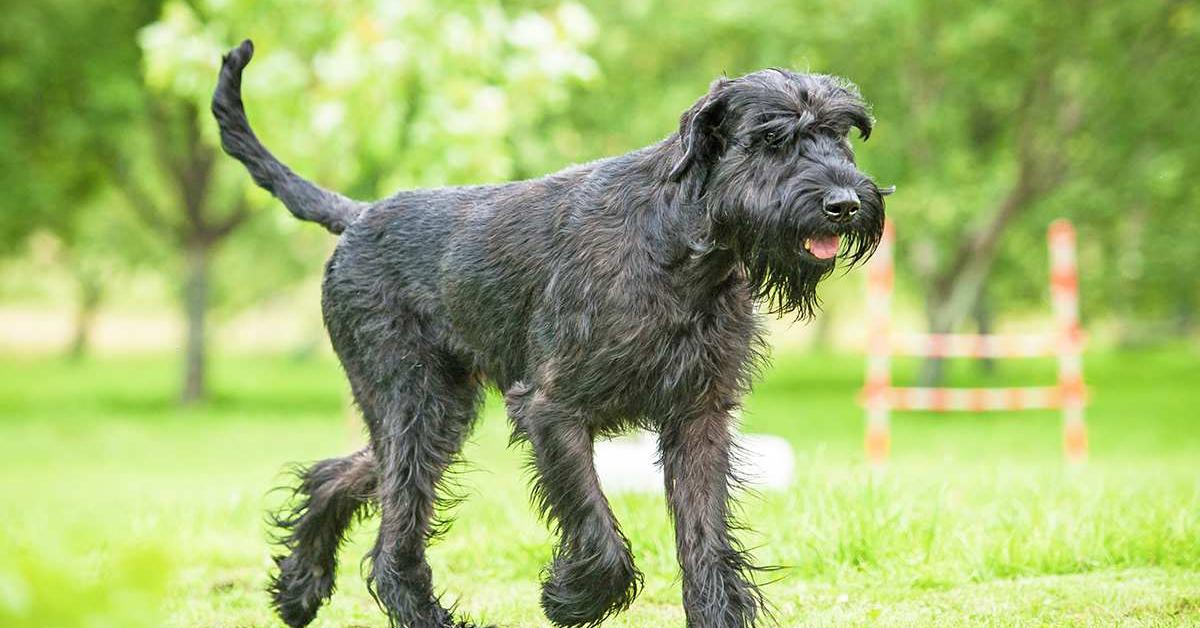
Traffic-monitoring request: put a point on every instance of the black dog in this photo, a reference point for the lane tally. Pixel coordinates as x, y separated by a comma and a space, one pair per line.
607, 296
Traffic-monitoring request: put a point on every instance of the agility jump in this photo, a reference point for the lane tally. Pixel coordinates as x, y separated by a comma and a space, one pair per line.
880, 398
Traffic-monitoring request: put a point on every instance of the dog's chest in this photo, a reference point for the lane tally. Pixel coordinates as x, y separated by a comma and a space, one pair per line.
651, 356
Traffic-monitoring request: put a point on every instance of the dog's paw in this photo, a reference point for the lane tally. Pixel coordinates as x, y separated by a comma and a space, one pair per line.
297, 594
584, 591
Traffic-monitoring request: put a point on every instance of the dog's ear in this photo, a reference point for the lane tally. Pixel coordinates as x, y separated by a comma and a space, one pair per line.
699, 129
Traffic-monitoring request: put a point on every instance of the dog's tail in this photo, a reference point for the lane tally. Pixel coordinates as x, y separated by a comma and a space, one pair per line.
332, 493
305, 200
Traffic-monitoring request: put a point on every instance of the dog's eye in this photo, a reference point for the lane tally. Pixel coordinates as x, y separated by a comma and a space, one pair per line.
771, 138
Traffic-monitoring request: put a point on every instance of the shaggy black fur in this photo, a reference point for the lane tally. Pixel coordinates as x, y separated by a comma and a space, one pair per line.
607, 296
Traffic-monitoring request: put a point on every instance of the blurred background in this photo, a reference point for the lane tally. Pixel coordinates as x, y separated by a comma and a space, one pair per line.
162, 355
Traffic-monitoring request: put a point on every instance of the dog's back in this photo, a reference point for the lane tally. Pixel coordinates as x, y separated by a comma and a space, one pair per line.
478, 262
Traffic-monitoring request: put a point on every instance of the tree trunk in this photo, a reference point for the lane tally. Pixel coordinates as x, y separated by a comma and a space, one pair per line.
1040, 169
195, 304
1185, 315
1132, 236
85, 315
958, 289
982, 313
933, 369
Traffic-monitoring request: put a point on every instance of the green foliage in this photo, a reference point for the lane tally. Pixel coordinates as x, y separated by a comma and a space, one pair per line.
1014, 108
374, 98
68, 92
1071, 109
368, 101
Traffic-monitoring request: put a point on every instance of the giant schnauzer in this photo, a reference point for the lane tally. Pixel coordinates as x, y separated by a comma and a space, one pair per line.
611, 295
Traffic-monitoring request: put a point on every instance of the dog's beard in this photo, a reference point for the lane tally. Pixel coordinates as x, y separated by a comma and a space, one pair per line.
785, 280
767, 233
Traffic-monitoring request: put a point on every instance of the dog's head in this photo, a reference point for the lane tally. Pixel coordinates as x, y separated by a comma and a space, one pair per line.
770, 156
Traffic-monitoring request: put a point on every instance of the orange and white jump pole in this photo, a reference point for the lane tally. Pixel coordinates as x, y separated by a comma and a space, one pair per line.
1064, 294
880, 398
880, 277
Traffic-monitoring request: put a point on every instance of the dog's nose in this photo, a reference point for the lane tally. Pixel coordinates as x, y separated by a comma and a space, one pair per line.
841, 204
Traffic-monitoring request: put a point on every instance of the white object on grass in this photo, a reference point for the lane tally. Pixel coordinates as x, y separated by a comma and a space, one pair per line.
629, 464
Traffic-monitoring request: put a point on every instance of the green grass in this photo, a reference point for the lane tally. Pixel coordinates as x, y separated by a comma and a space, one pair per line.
118, 509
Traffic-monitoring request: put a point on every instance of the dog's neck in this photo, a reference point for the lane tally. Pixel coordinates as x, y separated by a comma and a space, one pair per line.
700, 265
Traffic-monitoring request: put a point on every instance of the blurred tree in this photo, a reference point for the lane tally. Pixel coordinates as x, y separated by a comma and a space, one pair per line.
374, 98
104, 245
61, 116
994, 118
196, 220
1140, 160
1097, 136
1013, 70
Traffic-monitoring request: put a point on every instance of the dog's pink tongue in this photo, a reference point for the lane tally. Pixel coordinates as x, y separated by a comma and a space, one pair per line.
826, 247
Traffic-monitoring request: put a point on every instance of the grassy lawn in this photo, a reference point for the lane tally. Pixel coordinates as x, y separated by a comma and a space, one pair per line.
118, 509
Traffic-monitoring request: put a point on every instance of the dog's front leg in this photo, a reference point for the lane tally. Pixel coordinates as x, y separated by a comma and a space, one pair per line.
717, 589
592, 574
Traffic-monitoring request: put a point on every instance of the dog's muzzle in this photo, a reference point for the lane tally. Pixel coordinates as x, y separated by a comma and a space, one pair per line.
841, 204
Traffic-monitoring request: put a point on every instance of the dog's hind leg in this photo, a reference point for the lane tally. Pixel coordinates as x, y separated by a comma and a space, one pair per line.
419, 403
331, 493
592, 574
